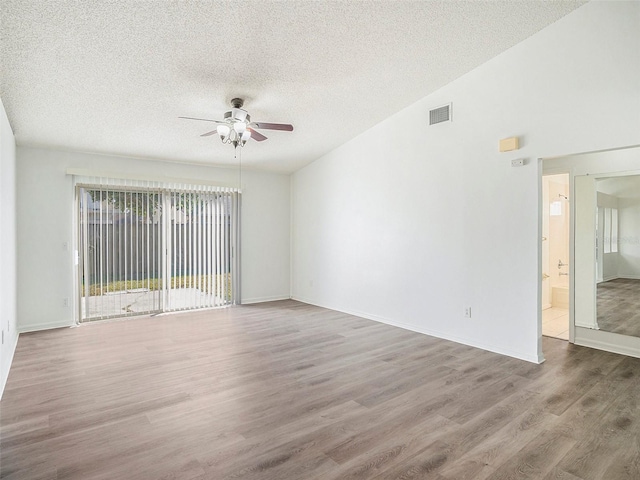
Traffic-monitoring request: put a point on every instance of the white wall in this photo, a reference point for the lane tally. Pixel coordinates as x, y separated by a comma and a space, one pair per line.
8, 316
408, 224
45, 223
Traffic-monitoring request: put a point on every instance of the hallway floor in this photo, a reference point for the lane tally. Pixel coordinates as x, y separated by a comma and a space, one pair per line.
555, 323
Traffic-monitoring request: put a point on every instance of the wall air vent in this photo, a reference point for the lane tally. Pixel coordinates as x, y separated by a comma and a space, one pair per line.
440, 114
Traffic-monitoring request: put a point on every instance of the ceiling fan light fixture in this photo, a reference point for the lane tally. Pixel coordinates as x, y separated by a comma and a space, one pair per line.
237, 128
223, 131
240, 127
246, 135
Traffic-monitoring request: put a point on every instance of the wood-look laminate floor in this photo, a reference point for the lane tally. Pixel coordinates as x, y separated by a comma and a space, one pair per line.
289, 391
618, 306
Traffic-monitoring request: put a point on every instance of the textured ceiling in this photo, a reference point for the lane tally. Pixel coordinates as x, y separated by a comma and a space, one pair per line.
112, 76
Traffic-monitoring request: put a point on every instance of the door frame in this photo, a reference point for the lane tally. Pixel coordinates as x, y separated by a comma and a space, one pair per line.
543, 172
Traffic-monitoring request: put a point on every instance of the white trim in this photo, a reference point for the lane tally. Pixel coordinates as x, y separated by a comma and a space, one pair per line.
82, 172
36, 327
608, 279
433, 333
539, 248
274, 298
605, 150
609, 342
572, 257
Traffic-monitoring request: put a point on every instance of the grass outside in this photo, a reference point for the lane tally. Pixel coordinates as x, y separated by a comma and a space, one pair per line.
204, 283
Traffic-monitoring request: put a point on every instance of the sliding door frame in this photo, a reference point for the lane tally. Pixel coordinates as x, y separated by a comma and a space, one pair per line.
209, 215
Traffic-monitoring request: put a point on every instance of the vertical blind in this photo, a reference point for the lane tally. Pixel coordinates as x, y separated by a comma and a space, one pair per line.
146, 247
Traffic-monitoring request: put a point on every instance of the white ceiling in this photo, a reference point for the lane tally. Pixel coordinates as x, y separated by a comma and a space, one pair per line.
112, 76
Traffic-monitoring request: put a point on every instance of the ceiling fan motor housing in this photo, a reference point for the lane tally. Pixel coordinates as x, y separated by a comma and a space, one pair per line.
237, 115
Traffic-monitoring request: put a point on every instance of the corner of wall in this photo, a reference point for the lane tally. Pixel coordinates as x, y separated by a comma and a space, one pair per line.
8, 247
7, 360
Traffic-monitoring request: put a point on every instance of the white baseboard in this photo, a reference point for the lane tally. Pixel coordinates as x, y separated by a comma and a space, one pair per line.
608, 279
43, 326
433, 333
609, 347
616, 277
248, 301
608, 341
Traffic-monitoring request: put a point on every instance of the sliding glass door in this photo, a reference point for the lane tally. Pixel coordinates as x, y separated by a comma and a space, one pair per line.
201, 248
144, 251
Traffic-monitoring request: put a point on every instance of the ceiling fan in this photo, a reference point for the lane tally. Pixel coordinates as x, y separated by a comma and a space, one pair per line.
237, 127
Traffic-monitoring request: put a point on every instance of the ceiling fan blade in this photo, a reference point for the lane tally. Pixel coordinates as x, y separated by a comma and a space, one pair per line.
273, 126
209, 133
257, 136
202, 119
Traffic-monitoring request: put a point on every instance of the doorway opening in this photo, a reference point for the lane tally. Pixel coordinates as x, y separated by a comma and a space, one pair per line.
555, 240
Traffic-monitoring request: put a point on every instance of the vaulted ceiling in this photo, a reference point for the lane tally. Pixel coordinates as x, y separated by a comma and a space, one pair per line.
113, 76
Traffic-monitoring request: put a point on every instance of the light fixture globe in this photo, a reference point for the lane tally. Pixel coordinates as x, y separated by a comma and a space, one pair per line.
223, 131
246, 135
240, 127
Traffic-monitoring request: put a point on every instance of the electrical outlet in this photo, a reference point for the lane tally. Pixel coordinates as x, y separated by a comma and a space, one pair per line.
467, 312
65, 302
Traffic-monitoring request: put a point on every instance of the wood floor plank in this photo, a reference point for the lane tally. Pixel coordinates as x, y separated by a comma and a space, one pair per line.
446, 448
612, 435
536, 459
481, 461
381, 448
617, 306
558, 474
289, 391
